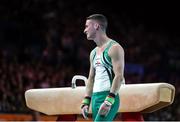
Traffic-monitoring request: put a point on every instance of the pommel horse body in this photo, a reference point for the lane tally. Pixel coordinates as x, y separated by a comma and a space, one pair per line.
134, 98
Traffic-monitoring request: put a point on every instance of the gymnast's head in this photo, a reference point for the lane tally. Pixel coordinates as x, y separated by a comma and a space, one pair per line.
95, 23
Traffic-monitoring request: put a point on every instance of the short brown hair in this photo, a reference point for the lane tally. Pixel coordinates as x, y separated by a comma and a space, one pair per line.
101, 19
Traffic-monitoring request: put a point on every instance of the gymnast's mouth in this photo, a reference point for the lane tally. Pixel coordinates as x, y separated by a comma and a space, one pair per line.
86, 33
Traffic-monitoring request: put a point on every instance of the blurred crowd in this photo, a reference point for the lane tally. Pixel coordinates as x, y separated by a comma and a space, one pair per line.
42, 45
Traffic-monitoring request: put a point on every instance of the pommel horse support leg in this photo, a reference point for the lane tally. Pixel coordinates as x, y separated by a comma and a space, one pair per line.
134, 98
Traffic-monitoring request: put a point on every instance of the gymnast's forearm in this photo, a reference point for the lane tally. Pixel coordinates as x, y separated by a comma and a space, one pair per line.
116, 84
89, 87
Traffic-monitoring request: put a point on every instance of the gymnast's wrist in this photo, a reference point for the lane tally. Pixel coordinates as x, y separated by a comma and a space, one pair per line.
110, 98
86, 101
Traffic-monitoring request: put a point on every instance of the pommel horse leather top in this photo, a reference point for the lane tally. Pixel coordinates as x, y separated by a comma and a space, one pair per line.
145, 98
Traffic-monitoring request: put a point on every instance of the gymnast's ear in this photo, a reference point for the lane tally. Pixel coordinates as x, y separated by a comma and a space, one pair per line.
96, 26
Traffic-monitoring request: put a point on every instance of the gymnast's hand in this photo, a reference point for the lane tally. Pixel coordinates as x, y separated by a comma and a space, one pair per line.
85, 106
106, 105
84, 111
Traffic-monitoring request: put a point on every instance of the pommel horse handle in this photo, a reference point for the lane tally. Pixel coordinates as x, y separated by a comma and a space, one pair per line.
78, 77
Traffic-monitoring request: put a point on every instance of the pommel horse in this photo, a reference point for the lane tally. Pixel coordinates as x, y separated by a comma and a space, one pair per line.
135, 99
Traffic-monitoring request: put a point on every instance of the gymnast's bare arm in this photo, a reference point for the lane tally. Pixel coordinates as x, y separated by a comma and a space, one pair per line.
90, 80
116, 53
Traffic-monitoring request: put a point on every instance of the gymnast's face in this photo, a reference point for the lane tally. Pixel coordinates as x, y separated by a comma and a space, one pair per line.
90, 29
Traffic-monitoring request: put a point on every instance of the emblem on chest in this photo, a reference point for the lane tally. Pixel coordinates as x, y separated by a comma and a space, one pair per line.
98, 61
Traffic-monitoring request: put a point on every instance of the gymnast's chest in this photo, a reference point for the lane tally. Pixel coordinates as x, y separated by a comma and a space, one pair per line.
98, 61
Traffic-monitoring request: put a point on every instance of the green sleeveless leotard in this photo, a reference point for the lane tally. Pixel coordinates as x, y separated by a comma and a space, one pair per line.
102, 82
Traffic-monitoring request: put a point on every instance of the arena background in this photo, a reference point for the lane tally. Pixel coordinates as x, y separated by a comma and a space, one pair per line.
42, 45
